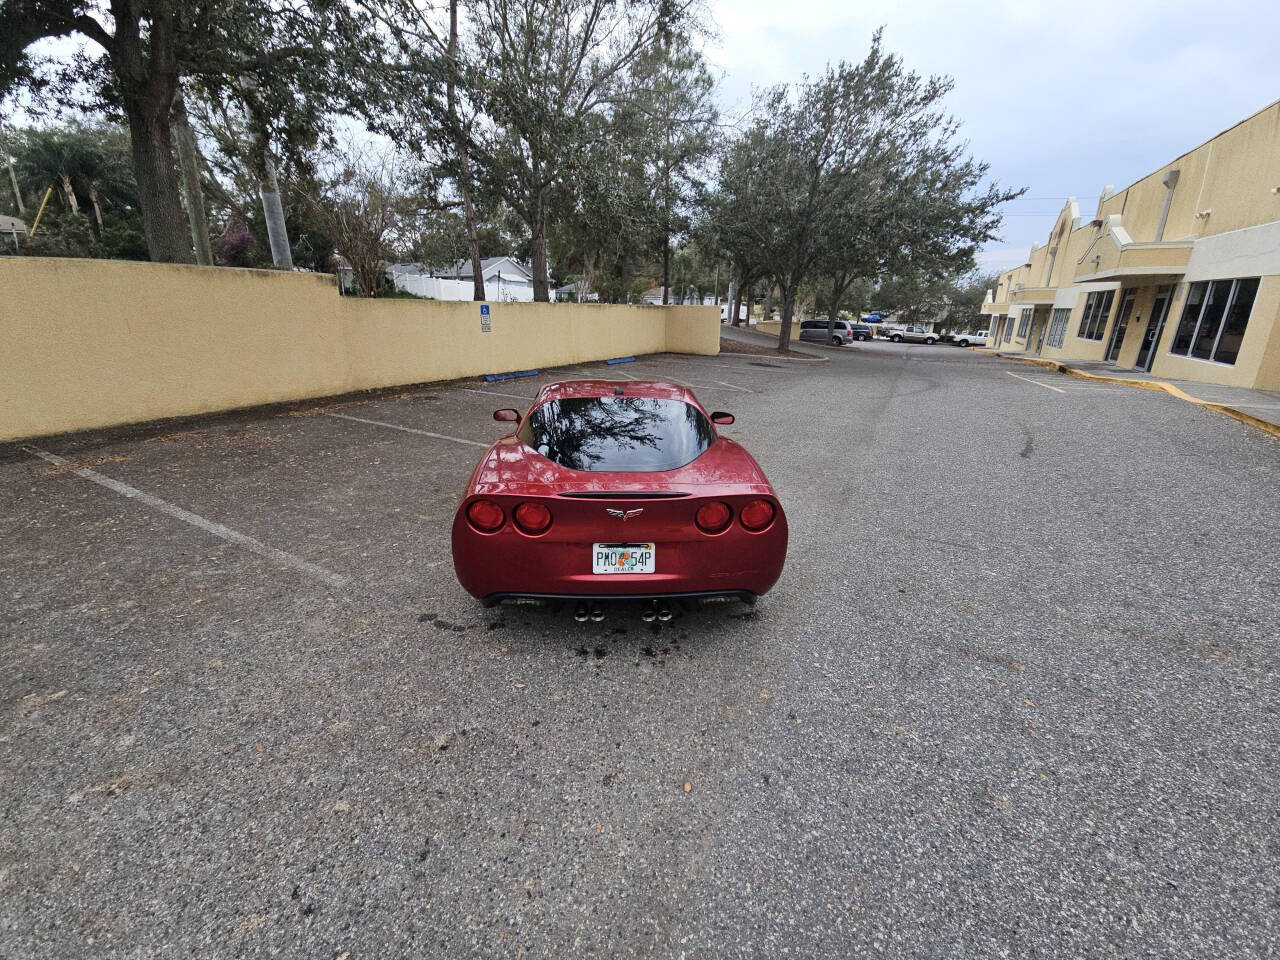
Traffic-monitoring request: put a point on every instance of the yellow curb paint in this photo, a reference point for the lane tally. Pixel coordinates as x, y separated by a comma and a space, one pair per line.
1243, 417
1173, 391
1157, 385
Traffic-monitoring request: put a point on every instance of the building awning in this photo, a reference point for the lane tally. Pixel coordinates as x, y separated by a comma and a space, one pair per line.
1114, 258
1034, 296
994, 309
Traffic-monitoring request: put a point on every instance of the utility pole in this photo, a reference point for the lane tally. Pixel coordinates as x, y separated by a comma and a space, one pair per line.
13, 178
265, 169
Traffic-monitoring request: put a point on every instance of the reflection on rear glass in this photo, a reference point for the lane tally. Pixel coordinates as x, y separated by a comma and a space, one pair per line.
626, 434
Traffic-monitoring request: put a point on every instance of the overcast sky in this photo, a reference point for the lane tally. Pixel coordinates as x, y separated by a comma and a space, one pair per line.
1062, 98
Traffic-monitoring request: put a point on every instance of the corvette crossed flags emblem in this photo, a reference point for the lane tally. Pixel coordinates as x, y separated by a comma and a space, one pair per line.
624, 514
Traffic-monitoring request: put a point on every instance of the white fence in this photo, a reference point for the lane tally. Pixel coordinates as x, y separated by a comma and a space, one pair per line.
446, 288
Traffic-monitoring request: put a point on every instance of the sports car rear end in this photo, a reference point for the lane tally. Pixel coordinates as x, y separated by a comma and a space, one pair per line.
540, 519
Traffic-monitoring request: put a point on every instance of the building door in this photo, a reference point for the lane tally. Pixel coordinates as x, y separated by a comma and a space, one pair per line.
1042, 327
1122, 324
1155, 326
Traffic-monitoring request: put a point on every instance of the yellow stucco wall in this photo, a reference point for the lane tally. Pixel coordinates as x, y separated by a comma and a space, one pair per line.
1230, 175
1258, 364
1268, 376
91, 343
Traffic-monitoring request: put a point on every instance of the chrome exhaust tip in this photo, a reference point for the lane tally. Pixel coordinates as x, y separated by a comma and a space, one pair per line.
597, 612
650, 612
664, 614
580, 613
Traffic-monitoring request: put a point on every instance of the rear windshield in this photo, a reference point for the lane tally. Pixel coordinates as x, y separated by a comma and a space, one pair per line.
626, 434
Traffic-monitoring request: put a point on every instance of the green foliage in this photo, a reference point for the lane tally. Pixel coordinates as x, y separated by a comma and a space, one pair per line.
953, 301
853, 175
632, 190
291, 67
577, 134
91, 161
548, 74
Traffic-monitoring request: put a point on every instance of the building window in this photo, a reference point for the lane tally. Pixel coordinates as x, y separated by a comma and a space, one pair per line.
1097, 308
1058, 326
1008, 328
1214, 319
1024, 321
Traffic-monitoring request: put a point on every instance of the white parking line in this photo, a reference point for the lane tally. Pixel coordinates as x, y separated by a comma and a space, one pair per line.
1036, 382
396, 426
186, 516
732, 386
495, 393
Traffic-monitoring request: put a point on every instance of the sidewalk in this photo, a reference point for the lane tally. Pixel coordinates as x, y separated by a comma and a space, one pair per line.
1261, 408
758, 338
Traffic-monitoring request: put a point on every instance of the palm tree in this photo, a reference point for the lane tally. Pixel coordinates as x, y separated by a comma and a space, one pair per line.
99, 163
48, 158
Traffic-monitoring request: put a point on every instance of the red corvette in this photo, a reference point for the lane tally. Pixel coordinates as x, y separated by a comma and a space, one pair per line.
617, 490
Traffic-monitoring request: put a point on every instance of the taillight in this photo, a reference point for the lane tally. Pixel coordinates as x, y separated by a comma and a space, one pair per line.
485, 515
533, 517
757, 515
713, 517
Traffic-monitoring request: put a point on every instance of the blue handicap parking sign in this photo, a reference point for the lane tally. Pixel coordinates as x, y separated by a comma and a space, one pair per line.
484, 309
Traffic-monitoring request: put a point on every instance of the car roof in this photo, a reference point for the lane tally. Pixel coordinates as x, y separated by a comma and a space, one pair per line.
655, 389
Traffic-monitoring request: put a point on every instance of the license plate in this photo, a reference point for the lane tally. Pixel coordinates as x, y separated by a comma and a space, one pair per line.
622, 558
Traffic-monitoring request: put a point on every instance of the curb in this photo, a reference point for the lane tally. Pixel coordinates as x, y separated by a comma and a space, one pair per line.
771, 341
1157, 385
766, 356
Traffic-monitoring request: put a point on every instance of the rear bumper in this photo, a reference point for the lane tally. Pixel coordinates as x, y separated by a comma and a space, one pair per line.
509, 564
493, 599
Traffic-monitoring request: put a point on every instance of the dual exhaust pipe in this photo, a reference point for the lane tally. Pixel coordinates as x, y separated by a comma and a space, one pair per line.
653, 610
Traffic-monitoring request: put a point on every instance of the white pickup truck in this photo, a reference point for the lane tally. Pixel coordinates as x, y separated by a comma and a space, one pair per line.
978, 339
910, 333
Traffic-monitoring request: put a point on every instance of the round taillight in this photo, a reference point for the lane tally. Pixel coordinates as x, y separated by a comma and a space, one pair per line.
757, 514
485, 515
533, 517
713, 517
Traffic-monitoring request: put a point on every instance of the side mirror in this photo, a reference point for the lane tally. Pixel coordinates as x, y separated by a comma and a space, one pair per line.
722, 418
507, 415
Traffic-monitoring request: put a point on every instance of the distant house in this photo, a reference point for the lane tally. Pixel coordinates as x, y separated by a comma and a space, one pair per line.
505, 278
576, 292
12, 230
653, 297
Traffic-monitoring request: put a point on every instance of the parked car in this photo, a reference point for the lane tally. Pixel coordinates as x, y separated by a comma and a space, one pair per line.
978, 339
913, 333
845, 332
617, 490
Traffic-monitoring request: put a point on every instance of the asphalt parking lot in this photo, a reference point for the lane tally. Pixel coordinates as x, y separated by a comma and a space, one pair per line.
1015, 694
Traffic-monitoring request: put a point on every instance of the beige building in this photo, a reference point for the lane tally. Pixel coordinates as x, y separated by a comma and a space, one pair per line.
1177, 275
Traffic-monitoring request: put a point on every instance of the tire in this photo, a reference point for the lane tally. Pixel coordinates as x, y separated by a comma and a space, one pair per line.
964, 343
861, 337
837, 342
896, 338
930, 340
